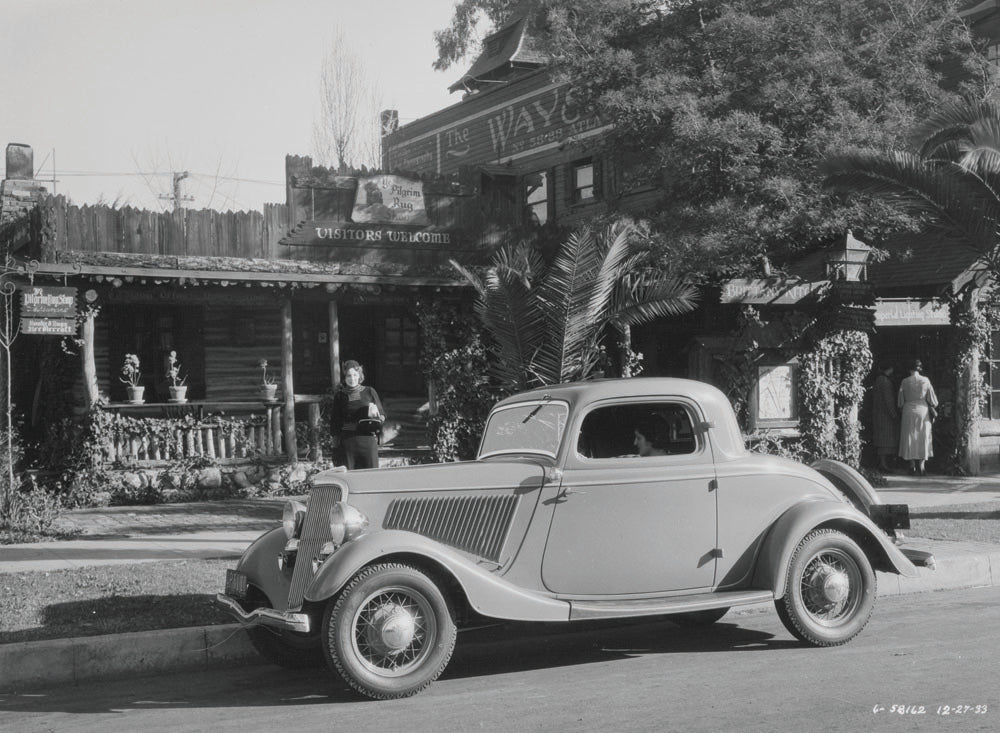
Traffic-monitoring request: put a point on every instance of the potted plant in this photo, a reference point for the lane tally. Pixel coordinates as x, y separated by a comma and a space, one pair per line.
178, 390
131, 376
268, 386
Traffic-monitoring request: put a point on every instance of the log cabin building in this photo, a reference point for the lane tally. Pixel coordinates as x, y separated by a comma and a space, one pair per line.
335, 273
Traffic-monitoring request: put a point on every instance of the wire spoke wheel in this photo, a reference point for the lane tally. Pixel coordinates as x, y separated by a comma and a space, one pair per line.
829, 589
390, 632
393, 630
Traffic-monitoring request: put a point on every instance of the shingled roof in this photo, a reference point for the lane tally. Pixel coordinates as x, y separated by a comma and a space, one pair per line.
918, 265
508, 50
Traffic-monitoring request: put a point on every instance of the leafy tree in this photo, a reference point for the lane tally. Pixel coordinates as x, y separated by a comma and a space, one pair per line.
732, 104
550, 322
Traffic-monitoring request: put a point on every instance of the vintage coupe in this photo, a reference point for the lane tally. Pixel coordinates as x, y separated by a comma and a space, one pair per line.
558, 520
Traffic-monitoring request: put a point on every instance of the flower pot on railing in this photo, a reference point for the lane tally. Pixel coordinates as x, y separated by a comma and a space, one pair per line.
269, 392
135, 394
178, 393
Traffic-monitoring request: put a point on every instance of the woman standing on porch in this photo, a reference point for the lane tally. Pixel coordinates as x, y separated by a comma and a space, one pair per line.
916, 402
356, 419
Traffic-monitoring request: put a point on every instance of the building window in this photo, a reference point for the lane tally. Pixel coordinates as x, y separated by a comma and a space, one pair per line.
993, 54
582, 177
536, 198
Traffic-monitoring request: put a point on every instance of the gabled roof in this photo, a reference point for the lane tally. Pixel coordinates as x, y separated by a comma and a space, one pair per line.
504, 52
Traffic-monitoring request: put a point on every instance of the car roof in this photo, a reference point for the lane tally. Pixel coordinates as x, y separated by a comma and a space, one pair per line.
577, 393
713, 402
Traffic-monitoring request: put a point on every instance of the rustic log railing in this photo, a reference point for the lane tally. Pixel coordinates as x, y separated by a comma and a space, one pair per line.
208, 430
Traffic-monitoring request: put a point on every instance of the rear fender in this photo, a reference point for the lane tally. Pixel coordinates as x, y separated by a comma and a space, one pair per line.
792, 526
487, 594
850, 482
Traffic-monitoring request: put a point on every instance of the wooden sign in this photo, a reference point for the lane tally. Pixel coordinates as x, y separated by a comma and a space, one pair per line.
48, 301
757, 291
346, 234
907, 312
507, 129
389, 199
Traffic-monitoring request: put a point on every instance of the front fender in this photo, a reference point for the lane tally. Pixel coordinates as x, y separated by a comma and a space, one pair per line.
792, 526
487, 594
260, 562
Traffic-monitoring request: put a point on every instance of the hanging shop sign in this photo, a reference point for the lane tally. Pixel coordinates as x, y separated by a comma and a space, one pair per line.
48, 326
48, 311
48, 302
389, 199
909, 312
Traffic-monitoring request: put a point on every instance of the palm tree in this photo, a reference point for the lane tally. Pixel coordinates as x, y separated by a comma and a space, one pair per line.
549, 321
952, 181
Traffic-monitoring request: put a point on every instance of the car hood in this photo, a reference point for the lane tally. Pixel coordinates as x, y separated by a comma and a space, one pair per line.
465, 475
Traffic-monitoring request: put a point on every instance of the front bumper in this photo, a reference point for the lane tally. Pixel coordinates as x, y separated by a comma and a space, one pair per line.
264, 616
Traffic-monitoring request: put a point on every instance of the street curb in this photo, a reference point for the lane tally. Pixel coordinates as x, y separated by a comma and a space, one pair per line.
33, 664
38, 664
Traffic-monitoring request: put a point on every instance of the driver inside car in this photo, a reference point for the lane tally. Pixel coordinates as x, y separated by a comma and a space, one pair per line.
651, 436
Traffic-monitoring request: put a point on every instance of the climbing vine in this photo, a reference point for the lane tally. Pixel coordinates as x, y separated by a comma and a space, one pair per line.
973, 323
831, 387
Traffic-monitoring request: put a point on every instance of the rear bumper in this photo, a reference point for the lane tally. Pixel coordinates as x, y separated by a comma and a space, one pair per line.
264, 616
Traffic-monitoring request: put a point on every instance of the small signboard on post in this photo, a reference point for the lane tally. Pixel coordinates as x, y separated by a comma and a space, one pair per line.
48, 311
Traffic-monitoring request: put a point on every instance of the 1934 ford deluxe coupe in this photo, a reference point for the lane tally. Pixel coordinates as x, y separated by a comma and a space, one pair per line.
559, 520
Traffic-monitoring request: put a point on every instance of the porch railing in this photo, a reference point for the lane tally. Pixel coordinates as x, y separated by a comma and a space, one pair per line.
241, 431
212, 430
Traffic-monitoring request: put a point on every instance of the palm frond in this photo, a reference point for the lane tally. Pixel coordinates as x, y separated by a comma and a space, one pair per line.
958, 202
951, 122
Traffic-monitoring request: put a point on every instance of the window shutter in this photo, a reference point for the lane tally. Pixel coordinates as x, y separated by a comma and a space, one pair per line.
598, 178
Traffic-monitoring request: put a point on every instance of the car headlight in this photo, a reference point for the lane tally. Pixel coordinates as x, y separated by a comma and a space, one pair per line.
292, 517
346, 523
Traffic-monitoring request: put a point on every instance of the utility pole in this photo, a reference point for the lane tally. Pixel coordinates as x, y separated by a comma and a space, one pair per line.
176, 197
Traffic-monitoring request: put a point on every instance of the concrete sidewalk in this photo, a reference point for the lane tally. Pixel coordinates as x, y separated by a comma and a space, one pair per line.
223, 529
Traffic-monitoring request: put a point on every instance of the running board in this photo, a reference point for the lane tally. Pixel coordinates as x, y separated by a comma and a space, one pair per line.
673, 604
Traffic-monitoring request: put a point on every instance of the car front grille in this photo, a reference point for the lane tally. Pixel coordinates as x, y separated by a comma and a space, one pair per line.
315, 533
475, 524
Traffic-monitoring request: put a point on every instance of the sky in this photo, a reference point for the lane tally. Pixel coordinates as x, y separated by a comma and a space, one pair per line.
115, 95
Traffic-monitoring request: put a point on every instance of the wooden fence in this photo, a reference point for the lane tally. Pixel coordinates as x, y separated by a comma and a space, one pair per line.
185, 232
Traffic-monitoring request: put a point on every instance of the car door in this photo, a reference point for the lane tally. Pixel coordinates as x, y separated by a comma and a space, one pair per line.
625, 524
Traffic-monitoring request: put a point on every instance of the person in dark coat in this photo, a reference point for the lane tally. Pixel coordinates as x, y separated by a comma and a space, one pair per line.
356, 419
885, 418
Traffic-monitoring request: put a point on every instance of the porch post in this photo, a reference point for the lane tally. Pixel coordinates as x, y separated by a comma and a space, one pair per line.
89, 366
967, 414
288, 383
334, 342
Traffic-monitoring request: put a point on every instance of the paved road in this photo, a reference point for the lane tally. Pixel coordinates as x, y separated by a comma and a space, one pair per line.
746, 673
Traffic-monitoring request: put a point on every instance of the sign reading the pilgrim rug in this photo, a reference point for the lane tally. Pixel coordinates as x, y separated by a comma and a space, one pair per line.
389, 199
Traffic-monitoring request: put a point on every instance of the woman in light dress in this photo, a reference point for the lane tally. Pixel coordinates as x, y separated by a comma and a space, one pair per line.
916, 396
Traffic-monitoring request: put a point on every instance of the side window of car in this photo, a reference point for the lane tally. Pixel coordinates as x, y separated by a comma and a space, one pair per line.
611, 432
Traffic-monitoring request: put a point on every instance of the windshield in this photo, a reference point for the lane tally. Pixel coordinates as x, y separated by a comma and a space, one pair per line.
533, 427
